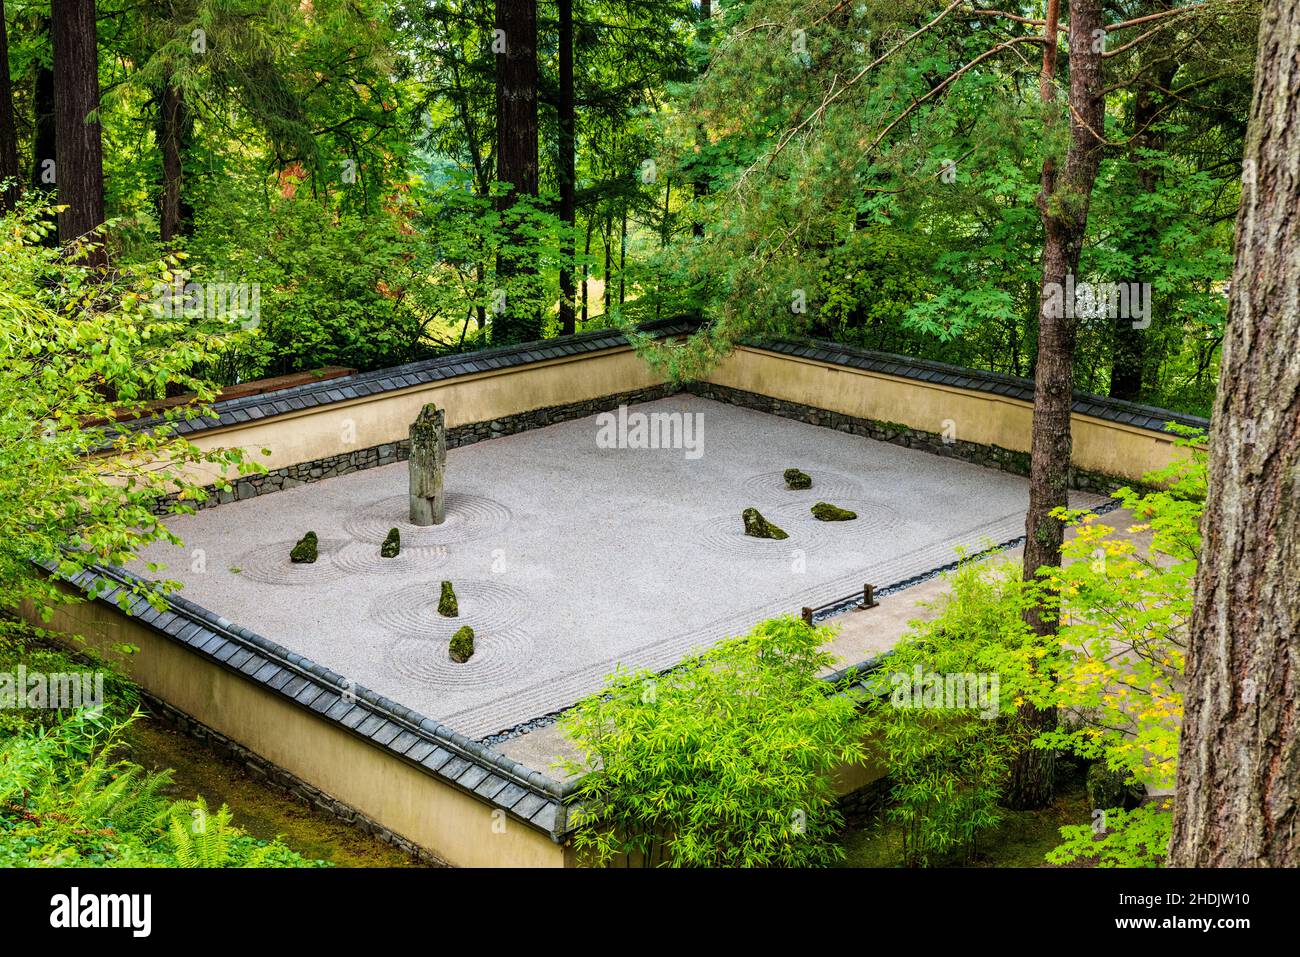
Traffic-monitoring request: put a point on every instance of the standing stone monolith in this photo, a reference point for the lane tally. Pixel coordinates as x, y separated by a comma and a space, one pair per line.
426, 466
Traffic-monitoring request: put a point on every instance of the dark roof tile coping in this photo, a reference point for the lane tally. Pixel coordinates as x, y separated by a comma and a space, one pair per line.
234, 411
308, 395
215, 626
1117, 410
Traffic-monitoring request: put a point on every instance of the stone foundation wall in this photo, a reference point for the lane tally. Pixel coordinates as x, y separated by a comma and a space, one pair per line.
391, 452
989, 456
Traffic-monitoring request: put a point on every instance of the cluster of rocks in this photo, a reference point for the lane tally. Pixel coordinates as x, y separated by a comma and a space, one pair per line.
989, 456
461, 647
756, 526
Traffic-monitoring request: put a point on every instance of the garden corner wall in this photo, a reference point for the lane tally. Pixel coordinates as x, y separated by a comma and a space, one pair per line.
405, 777
353, 431
980, 416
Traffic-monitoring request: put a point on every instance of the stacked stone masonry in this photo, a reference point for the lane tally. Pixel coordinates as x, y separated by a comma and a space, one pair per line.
989, 456
399, 451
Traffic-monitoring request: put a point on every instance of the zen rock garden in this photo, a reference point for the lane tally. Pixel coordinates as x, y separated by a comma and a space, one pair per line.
531, 522
756, 526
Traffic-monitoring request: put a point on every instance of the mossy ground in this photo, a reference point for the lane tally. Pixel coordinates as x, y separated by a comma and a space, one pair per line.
261, 810
1021, 840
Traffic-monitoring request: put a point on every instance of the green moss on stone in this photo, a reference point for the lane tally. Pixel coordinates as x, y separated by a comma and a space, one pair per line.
825, 512
756, 526
392, 546
795, 479
304, 553
461, 648
447, 605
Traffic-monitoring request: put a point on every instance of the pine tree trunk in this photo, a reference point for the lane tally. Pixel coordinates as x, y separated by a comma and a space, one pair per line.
1063, 202
171, 120
516, 101
567, 174
43, 148
1237, 800
8, 131
79, 164
700, 185
1128, 357
609, 283
586, 268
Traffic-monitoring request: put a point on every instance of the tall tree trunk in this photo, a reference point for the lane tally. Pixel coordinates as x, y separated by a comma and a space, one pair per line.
567, 173
516, 101
1237, 801
9, 174
1063, 202
586, 268
43, 148
171, 124
79, 166
609, 240
622, 260
700, 182
1128, 358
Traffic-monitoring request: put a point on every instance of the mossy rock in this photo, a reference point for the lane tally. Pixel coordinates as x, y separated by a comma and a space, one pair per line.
392, 546
304, 553
461, 648
795, 479
825, 512
447, 605
756, 526
1107, 789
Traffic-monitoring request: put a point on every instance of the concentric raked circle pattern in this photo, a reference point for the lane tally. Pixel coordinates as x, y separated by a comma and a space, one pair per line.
270, 563
363, 558
488, 607
825, 485
725, 534
873, 518
469, 517
498, 656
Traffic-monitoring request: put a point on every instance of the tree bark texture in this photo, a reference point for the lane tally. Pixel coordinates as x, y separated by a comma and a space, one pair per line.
1239, 756
79, 163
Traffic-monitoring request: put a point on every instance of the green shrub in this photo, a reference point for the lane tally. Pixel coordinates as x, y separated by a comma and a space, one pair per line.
725, 761
948, 757
68, 800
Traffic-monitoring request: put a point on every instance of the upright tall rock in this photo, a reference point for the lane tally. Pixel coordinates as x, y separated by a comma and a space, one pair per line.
427, 464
